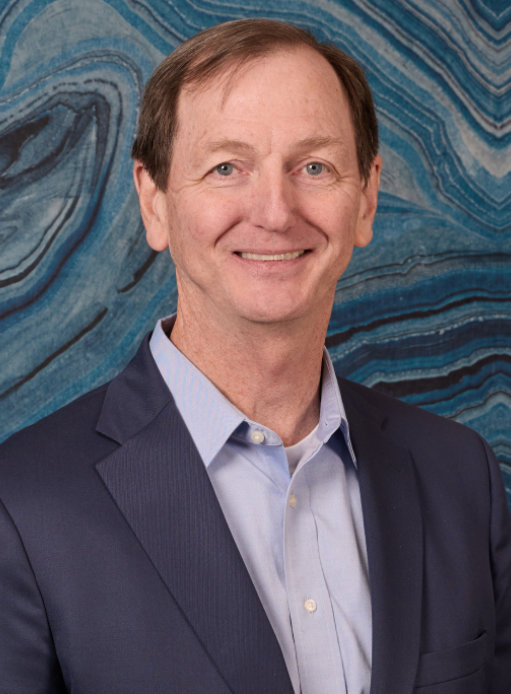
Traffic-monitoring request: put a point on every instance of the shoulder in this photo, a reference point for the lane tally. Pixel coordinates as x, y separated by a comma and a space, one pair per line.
71, 423
400, 418
442, 450
457, 477
74, 427
53, 455
66, 445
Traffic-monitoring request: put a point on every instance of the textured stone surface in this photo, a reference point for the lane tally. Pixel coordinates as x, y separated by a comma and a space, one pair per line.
424, 313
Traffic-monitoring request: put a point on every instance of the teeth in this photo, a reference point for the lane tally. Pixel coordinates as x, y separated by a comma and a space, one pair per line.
280, 256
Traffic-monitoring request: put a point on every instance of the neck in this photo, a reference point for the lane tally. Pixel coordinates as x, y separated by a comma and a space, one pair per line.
270, 372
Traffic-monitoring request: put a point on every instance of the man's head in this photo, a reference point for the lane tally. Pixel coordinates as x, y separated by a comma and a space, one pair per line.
269, 187
230, 46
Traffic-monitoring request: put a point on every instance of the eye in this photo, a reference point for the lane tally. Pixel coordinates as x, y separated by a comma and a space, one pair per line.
224, 169
315, 168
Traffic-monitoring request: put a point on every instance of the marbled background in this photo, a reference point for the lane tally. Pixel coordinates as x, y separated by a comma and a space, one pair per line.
424, 313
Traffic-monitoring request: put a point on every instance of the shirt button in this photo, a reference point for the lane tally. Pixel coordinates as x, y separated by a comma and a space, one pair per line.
310, 605
292, 500
257, 436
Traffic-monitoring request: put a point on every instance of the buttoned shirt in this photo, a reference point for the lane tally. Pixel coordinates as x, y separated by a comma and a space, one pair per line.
301, 535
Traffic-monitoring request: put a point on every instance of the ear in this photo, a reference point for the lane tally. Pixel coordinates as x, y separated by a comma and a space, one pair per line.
368, 203
152, 207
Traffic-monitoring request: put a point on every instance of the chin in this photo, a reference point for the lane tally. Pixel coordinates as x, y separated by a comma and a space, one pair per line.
271, 314
271, 307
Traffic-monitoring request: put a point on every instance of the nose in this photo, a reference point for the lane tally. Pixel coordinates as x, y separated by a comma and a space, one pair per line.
271, 201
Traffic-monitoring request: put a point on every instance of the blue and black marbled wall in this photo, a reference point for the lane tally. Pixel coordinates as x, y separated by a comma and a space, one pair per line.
424, 313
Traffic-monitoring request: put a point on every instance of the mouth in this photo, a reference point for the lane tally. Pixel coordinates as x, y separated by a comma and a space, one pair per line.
271, 257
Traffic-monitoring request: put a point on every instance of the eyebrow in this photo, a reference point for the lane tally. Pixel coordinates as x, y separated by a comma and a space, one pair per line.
233, 145
308, 143
320, 142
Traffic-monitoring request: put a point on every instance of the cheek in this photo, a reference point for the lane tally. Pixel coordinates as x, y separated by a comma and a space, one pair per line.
197, 223
340, 201
211, 216
337, 221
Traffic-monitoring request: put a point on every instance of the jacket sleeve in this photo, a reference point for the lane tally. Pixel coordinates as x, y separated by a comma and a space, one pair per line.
501, 568
28, 662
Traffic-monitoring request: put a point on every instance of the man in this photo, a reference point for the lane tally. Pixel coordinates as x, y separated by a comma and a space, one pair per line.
225, 516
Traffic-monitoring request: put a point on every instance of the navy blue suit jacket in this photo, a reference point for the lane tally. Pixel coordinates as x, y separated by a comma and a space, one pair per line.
118, 573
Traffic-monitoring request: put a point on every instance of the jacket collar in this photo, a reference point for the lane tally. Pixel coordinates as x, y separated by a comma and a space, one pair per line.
134, 398
393, 528
158, 481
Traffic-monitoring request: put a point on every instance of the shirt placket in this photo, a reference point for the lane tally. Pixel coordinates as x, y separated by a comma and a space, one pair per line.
310, 607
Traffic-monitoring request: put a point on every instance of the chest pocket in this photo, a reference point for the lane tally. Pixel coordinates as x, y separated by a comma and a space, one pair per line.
447, 666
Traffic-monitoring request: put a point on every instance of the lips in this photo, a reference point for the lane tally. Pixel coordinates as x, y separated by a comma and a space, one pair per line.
274, 256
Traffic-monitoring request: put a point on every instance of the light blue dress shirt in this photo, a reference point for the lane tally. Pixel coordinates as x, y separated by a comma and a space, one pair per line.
301, 536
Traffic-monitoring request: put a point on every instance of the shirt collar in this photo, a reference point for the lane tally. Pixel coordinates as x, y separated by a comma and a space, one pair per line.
212, 419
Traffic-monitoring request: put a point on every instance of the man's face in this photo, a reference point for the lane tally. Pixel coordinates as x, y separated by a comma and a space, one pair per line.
264, 201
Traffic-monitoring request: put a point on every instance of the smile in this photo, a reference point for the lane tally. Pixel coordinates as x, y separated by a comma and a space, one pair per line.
278, 256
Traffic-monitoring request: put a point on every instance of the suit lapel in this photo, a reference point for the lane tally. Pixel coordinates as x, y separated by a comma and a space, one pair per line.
393, 527
158, 481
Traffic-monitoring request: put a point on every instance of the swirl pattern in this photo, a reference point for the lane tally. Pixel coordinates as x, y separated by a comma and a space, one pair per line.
424, 313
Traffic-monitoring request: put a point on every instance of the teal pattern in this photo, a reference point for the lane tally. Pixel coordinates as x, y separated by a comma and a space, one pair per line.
424, 313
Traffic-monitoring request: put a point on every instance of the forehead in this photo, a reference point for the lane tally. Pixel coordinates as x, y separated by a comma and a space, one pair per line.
289, 85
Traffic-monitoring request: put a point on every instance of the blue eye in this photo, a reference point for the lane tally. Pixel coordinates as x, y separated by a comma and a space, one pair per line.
224, 169
314, 168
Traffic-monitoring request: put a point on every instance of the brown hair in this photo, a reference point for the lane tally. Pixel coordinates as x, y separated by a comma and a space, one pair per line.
238, 42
